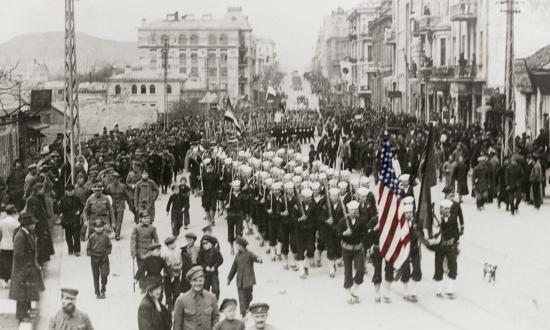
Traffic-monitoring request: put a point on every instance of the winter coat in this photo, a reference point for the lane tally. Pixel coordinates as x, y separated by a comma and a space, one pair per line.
243, 267
26, 279
143, 236
44, 245
150, 318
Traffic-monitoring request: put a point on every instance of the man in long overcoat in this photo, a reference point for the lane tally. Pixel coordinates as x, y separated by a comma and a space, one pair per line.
26, 279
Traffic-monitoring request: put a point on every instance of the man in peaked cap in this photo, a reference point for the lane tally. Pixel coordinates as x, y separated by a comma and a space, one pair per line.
259, 313
197, 308
99, 207
68, 317
119, 195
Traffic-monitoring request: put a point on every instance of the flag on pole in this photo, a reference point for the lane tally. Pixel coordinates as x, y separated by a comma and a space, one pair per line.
428, 177
230, 116
395, 234
270, 94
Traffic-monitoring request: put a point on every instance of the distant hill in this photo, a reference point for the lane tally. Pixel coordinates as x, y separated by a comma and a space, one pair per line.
540, 59
48, 49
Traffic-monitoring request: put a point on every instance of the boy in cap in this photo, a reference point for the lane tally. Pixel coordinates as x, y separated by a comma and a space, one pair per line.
69, 317
172, 258
228, 307
143, 237
243, 267
152, 266
70, 209
174, 207
210, 259
99, 247
189, 254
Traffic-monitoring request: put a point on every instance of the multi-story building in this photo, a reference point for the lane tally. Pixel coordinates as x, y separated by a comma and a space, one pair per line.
204, 56
266, 55
331, 49
360, 45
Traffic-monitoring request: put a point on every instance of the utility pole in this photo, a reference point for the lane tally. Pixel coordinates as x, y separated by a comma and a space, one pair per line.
72, 126
165, 50
509, 123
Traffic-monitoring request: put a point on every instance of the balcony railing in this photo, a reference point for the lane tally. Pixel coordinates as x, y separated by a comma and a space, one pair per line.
371, 67
428, 23
457, 72
464, 11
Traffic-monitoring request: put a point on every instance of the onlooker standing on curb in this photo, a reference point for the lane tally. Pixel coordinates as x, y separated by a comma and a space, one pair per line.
26, 278
8, 225
70, 209
69, 317
243, 267
152, 314
99, 247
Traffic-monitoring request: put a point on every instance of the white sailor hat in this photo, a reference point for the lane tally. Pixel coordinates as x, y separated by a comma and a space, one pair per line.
406, 208
352, 206
298, 170
409, 200
247, 154
264, 175
304, 185
364, 181
316, 164
247, 171
330, 172
235, 164
242, 167
276, 185
315, 186
362, 191
287, 177
322, 176
446, 203
236, 184
222, 156
307, 193
297, 179
281, 152
333, 183
481, 159
298, 158
266, 165
342, 185
207, 161
268, 182
344, 174
290, 151
240, 153
404, 177
195, 149
334, 192
291, 164
274, 171
269, 155
228, 161
323, 168
354, 182
313, 176
289, 185
277, 161
281, 172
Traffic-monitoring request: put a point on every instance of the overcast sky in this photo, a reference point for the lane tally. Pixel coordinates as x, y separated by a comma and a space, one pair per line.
292, 24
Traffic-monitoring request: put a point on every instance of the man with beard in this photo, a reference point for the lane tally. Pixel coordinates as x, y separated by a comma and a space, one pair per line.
69, 318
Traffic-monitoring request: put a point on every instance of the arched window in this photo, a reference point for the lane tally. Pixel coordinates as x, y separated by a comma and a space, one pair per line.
194, 39
182, 39
168, 89
211, 39
117, 89
134, 89
143, 89
152, 39
165, 39
223, 39
152, 89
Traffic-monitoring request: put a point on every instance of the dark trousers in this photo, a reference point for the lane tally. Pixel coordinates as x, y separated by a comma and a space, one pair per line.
334, 249
212, 284
319, 236
119, 218
22, 308
245, 297
100, 268
446, 252
176, 221
172, 290
273, 230
141, 280
186, 219
287, 237
72, 236
481, 197
377, 261
305, 243
234, 228
353, 259
514, 198
412, 263
536, 186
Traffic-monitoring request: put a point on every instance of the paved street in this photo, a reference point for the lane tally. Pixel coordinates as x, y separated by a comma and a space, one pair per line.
292, 103
520, 299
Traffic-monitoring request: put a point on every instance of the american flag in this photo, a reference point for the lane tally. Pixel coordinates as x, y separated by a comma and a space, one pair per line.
394, 228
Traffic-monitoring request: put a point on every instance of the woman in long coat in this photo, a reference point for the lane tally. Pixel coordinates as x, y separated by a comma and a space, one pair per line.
37, 208
26, 279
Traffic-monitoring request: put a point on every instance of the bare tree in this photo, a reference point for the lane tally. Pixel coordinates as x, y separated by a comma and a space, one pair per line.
10, 91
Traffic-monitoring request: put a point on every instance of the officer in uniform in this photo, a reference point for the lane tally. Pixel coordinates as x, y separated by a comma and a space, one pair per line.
446, 241
98, 207
119, 195
210, 185
235, 213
